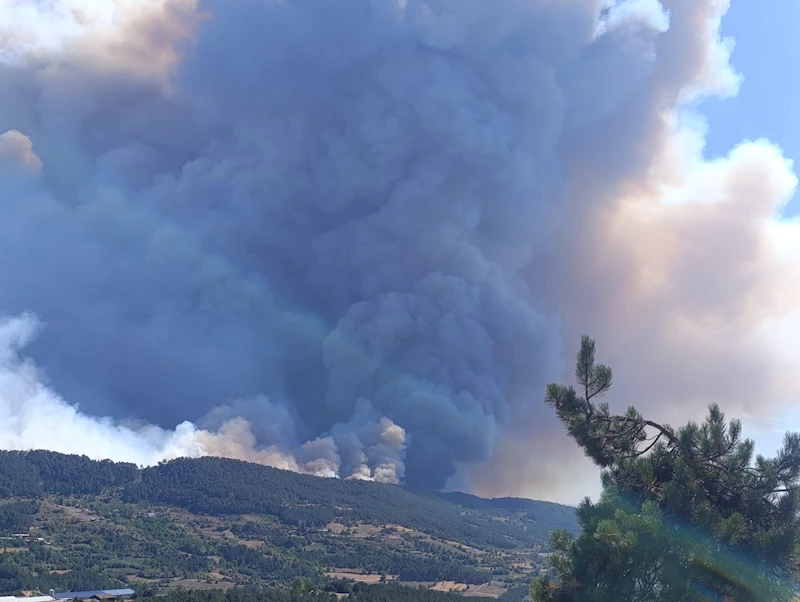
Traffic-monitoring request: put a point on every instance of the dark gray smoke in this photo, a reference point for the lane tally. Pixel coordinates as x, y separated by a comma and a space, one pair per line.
340, 237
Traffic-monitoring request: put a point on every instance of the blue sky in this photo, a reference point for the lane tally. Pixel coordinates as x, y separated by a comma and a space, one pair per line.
767, 53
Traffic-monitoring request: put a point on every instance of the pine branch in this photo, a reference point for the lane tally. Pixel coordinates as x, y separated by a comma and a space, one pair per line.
649, 447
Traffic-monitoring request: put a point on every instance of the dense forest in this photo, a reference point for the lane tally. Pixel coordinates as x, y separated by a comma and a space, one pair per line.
220, 486
206, 486
35, 473
212, 522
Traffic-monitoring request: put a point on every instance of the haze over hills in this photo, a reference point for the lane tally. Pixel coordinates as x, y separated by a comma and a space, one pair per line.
207, 522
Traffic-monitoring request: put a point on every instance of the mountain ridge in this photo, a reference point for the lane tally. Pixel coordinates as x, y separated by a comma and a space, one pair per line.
210, 520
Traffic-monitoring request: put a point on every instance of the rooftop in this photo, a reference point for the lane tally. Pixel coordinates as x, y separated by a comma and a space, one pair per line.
104, 593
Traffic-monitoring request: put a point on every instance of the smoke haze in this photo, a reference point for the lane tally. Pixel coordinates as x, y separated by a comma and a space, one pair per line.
356, 239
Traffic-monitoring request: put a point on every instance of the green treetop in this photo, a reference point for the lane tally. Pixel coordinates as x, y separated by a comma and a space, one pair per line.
685, 515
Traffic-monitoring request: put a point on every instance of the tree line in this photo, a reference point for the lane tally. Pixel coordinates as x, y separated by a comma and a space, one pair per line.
34, 473
302, 591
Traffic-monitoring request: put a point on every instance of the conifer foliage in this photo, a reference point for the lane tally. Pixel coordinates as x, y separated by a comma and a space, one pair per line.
685, 515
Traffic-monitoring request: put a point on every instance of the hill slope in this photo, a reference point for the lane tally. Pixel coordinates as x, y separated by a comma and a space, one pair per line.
212, 522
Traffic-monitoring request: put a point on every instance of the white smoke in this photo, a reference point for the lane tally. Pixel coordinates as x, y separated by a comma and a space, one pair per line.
33, 416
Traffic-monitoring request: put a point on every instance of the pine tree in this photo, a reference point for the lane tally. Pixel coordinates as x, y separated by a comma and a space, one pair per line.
685, 515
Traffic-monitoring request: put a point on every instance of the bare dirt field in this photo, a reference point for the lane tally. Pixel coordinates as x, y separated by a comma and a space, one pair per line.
400, 528
366, 530
487, 590
449, 586
197, 584
81, 514
463, 548
137, 579
251, 543
336, 528
359, 577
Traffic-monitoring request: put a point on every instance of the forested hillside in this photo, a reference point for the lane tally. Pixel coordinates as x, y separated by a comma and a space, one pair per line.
35, 473
206, 486
211, 522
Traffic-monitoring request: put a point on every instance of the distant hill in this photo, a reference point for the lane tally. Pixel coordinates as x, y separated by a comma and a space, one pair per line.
212, 521
533, 508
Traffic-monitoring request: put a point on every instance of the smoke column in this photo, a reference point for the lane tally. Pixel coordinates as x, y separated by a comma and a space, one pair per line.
357, 238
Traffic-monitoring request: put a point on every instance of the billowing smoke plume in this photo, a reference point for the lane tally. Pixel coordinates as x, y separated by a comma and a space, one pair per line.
348, 238
33, 415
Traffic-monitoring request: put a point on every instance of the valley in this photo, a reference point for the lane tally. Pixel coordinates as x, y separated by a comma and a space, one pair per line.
212, 523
